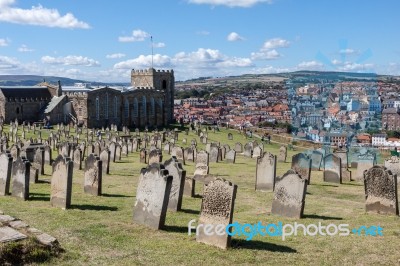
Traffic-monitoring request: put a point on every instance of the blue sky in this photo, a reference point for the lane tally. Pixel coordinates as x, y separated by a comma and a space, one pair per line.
103, 40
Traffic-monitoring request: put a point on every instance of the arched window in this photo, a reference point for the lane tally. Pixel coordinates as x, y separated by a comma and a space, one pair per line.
164, 84
126, 106
97, 108
153, 107
17, 111
115, 107
106, 110
135, 107
144, 106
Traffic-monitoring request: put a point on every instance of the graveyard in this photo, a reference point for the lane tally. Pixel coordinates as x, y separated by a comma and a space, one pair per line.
100, 225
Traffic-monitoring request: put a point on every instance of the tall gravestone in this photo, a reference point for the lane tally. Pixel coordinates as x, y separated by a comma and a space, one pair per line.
152, 196
143, 155
5, 173
301, 163
332, 169
289, 195
230, 156
213, 154
178, 182
48, 155
20, 178
78, 159
282, 154
393, 164
202, 164
316, 160
105, 158
248, 150
217, 208
93, 175
266, 172
257, 152
381, 191
61, 182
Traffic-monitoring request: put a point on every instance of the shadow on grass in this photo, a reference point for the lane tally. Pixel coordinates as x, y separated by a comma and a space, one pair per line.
41, 181
326, 185
190, 211
353, 184
86, 207
175, 229
116, 195
260, 245
322, 217
39, 197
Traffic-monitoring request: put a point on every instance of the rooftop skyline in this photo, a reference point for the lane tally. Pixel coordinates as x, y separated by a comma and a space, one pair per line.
196, 38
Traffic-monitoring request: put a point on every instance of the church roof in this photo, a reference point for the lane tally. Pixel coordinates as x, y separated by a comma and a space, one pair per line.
25, 91
53, 103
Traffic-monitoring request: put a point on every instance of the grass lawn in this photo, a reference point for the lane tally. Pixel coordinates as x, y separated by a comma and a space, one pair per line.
100, 231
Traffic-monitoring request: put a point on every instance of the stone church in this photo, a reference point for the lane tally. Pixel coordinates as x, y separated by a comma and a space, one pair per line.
149, 101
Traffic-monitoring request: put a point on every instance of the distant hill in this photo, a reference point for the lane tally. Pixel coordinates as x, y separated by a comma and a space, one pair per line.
31, 80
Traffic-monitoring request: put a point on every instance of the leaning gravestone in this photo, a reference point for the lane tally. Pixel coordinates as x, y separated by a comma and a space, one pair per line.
105, 158
381, 191
217, 208
61, 182
266, 172
301, 163
178, 182
152, 196
20, 178
282, 154
5, 173
316, 160
332, 169
93, 175
230, 156
393, 164
289, 195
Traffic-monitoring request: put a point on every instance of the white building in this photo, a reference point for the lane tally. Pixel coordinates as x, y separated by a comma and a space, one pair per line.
379, 140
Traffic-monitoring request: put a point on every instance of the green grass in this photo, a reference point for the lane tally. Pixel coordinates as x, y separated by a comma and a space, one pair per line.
100, 231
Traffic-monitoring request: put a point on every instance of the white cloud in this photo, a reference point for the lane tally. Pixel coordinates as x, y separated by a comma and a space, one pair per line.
230, 3
4, 42
203, 32
144, 61
137, 36
159, 45
275, 43
350, 66
8, 62
310, 65
25, 49
336, 62
265, 55
39, 16
70, 60
233, 37
348, 51
115, 56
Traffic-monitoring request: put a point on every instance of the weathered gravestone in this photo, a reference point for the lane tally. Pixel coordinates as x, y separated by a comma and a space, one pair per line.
5, 173
143, 155
364, 162
202, 164
178, 182
393, 164
188, 154
381, 191
48, 155
266, 172
112, 147
282, 154
217, 208
213, 155
257, 152
93, 175
230, 136
316, 160
167, 148
105, 159
124, 149
78, 159
342, 153
301, 163
238, 147
248, 150
152, 196
289, 195
332, 169
61, 182
179, 154
15, 151
230, 156
155, 156
20, 178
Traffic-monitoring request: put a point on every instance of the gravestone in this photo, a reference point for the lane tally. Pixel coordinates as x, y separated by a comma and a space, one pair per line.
167, 148
189, 187
217, 208
266, 172
61, 182
230, 156
112, 147
152, 196
381, 191
289, 195
364, 162
118, 152
93, 175
316, 160
248, 150
48, 155
301, 163
179, 154
189, 154
230, 136
20, 174
213, 155
105, 159
15, 151
393, 164
5, 173
78, 159
155, 156
143, 155
124, 150
332, 169
257, 151
342, 153
238, 147
178, 182
282, 154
